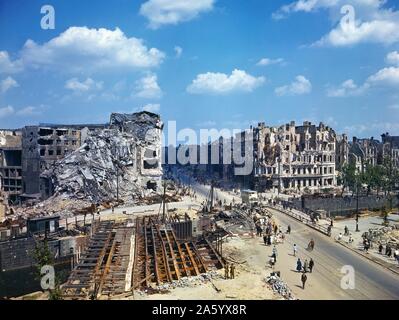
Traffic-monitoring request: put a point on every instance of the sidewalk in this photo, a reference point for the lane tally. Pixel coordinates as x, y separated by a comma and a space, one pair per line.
365, 223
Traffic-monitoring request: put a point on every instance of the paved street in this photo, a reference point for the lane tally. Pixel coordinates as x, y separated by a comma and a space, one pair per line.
371, 280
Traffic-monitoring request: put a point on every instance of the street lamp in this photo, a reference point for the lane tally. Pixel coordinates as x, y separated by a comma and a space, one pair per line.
357, 207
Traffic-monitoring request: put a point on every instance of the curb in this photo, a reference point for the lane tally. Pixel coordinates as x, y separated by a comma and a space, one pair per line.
293, 217
375, 260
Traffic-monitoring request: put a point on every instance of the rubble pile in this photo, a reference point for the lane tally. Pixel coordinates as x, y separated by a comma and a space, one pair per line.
235, 221
110, 160
384, 235
279, 286
190, 281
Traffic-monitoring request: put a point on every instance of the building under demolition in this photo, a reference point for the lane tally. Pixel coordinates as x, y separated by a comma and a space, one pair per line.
120, 159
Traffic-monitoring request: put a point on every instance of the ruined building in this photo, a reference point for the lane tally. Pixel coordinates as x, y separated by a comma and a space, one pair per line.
365, 151
120, 162
390, 148
42, 146
11, 165
296, 158
87, 161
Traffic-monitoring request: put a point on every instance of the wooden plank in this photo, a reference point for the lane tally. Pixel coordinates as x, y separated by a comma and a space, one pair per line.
172, 253
193, 262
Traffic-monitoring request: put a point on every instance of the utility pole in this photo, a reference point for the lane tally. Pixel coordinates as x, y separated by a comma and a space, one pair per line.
117, 185
212, 189
357, 206
164, 203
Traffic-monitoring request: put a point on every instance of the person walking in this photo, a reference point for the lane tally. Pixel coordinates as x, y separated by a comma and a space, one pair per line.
274, 254
298, 265
303, 279
232, 271
289, 229
380, 248
305, 266
311, 265
295, 249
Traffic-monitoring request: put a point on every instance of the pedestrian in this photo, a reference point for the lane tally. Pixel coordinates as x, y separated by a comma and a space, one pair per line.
305, 266
289, 229
303, 279
311, 265
226, 271
232, 270
265, 239
380, 248
298, 265
350, 239
274, 254
340, 236
295, 249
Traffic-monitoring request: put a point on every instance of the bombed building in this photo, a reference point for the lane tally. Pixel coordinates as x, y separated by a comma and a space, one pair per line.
94, 162
120, 162
296, 158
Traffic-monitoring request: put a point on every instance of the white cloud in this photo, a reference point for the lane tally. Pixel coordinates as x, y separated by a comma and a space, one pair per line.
29, 111
152, 107
147, 87
8, 66
347, 88
178, 51
164, 12
6, 111
84, 49
83, 86
267, 61
8, 83
376, 31
220, 83
373, 23
385, 76
300, 86
393, 58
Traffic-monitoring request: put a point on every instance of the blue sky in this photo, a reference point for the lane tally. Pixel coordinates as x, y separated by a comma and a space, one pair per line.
203, 63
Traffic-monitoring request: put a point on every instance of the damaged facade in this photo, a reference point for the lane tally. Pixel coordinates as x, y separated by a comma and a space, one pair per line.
120, 162
88, 161
11, 165
295, 158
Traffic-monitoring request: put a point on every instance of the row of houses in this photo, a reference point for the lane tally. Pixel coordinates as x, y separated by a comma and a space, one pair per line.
293, 157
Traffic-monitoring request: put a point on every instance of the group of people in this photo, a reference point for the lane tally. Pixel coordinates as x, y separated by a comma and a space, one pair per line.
229, 271
305, 266
389, 251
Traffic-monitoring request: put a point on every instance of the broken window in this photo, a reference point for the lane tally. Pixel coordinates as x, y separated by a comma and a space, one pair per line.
152, 185
45, 142
51, 152
42, 152
59, 151
45, 132
150, 164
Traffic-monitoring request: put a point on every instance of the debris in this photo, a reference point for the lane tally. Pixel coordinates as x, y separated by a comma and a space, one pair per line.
279, 286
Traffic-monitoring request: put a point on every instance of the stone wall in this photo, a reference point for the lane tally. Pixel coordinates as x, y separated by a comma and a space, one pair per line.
344, 206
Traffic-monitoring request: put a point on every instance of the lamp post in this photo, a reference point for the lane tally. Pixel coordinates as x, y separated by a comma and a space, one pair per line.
357, 206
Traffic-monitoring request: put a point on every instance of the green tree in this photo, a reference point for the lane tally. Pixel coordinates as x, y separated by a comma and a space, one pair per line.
43, 257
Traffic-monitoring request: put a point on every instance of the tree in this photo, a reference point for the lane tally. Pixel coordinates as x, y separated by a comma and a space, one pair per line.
43, 257
349, 177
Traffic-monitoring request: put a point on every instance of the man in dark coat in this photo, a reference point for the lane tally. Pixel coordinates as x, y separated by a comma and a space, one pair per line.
311, 265
303, 279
